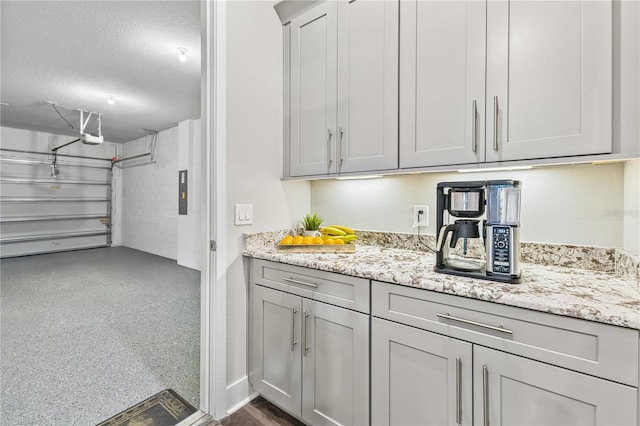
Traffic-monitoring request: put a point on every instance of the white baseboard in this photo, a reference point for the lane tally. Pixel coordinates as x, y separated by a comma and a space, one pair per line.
238, 394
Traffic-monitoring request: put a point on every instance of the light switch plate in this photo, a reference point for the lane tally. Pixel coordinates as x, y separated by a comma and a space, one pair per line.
243, 214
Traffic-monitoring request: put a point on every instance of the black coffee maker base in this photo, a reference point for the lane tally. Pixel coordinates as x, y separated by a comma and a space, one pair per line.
481, 275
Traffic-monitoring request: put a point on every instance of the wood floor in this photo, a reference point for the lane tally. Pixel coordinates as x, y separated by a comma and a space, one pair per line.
260, 412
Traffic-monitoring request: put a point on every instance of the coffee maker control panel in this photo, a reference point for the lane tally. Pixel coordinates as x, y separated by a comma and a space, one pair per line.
501, 249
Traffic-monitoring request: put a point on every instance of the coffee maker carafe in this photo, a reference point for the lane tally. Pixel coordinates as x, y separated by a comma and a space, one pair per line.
486, 249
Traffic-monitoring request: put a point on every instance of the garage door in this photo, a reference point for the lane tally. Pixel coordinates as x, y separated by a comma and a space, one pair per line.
50, 204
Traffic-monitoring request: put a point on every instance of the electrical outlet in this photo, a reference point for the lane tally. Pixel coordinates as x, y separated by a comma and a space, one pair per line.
420, 216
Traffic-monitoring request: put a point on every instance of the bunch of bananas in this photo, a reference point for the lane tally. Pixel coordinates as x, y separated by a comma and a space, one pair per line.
338, 232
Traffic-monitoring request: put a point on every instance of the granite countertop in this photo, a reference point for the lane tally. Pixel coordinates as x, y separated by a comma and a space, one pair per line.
585, 294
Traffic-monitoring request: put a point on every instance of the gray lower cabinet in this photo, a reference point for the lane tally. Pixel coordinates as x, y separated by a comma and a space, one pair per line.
445, 360
335, 365
418, 377
511, 390
309, 357
277, 369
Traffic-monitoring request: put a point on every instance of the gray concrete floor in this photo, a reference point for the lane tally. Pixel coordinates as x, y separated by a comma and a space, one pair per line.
87, 334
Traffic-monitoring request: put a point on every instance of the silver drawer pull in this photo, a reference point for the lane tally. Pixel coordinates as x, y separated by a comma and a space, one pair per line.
474, 120
458, 391
485, 395
500, 328
293, 324
496, 112
306, 348
291, 280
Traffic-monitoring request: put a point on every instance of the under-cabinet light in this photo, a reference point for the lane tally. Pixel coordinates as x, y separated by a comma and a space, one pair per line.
495, 169
110, 100
359, 177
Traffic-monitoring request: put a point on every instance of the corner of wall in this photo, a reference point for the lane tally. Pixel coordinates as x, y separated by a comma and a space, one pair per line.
631, 209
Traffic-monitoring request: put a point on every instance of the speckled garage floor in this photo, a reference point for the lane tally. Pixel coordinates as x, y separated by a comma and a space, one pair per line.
87, 334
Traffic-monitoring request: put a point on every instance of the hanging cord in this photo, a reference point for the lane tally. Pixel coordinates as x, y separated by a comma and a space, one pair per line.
423, 243
420, 239
61, 116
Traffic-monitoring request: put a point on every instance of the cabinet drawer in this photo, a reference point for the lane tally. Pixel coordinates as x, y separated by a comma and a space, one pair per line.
598, 349
336, 289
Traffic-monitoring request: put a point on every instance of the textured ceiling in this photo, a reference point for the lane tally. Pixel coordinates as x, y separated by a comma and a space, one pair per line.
76, 52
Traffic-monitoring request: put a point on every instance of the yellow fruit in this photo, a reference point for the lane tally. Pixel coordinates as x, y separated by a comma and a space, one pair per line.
285, 242
343, 228
297, 240
307, 240
318, 240
328, 230
338, 241
329, 241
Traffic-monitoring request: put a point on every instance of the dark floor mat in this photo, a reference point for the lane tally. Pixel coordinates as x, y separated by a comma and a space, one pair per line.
165, 408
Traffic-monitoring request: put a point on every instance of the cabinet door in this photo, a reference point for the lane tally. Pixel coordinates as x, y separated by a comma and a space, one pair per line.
511, 390
275, 360
442, 82
313, 74
335, 365
548, 79
367, 134
418, 377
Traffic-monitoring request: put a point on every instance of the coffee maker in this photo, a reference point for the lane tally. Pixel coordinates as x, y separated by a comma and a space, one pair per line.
486, 248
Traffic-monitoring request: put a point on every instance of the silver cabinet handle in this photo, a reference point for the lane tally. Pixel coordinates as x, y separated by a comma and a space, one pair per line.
458, 390
293, 322
306, 348
495, 123
340, 146
291, 280
485, 394
329, 160
474, 119
500, 328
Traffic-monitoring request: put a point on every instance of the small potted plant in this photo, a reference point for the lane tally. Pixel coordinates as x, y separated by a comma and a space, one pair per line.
311, 224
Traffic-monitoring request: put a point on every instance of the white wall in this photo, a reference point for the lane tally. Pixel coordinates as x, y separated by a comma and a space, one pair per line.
149, 199
577, 204
190, 234
631, 208
254, 159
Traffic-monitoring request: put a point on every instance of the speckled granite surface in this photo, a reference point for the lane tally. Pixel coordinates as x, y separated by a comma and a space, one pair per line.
547, 286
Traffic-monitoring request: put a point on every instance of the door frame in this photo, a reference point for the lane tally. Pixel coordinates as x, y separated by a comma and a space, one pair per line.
213, 286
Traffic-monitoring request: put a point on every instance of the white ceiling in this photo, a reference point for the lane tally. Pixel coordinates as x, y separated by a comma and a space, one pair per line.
75, 53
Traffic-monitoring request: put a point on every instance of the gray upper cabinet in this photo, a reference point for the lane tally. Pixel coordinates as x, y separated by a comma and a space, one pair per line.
548, 81
367, 128
341, 105
442, 77
312, 91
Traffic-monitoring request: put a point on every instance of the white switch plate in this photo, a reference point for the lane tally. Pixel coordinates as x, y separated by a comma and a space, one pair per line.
420, 219
243, 214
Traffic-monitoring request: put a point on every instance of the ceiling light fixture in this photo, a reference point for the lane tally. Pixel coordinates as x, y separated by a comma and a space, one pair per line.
183, 54
110, 100
4, 104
